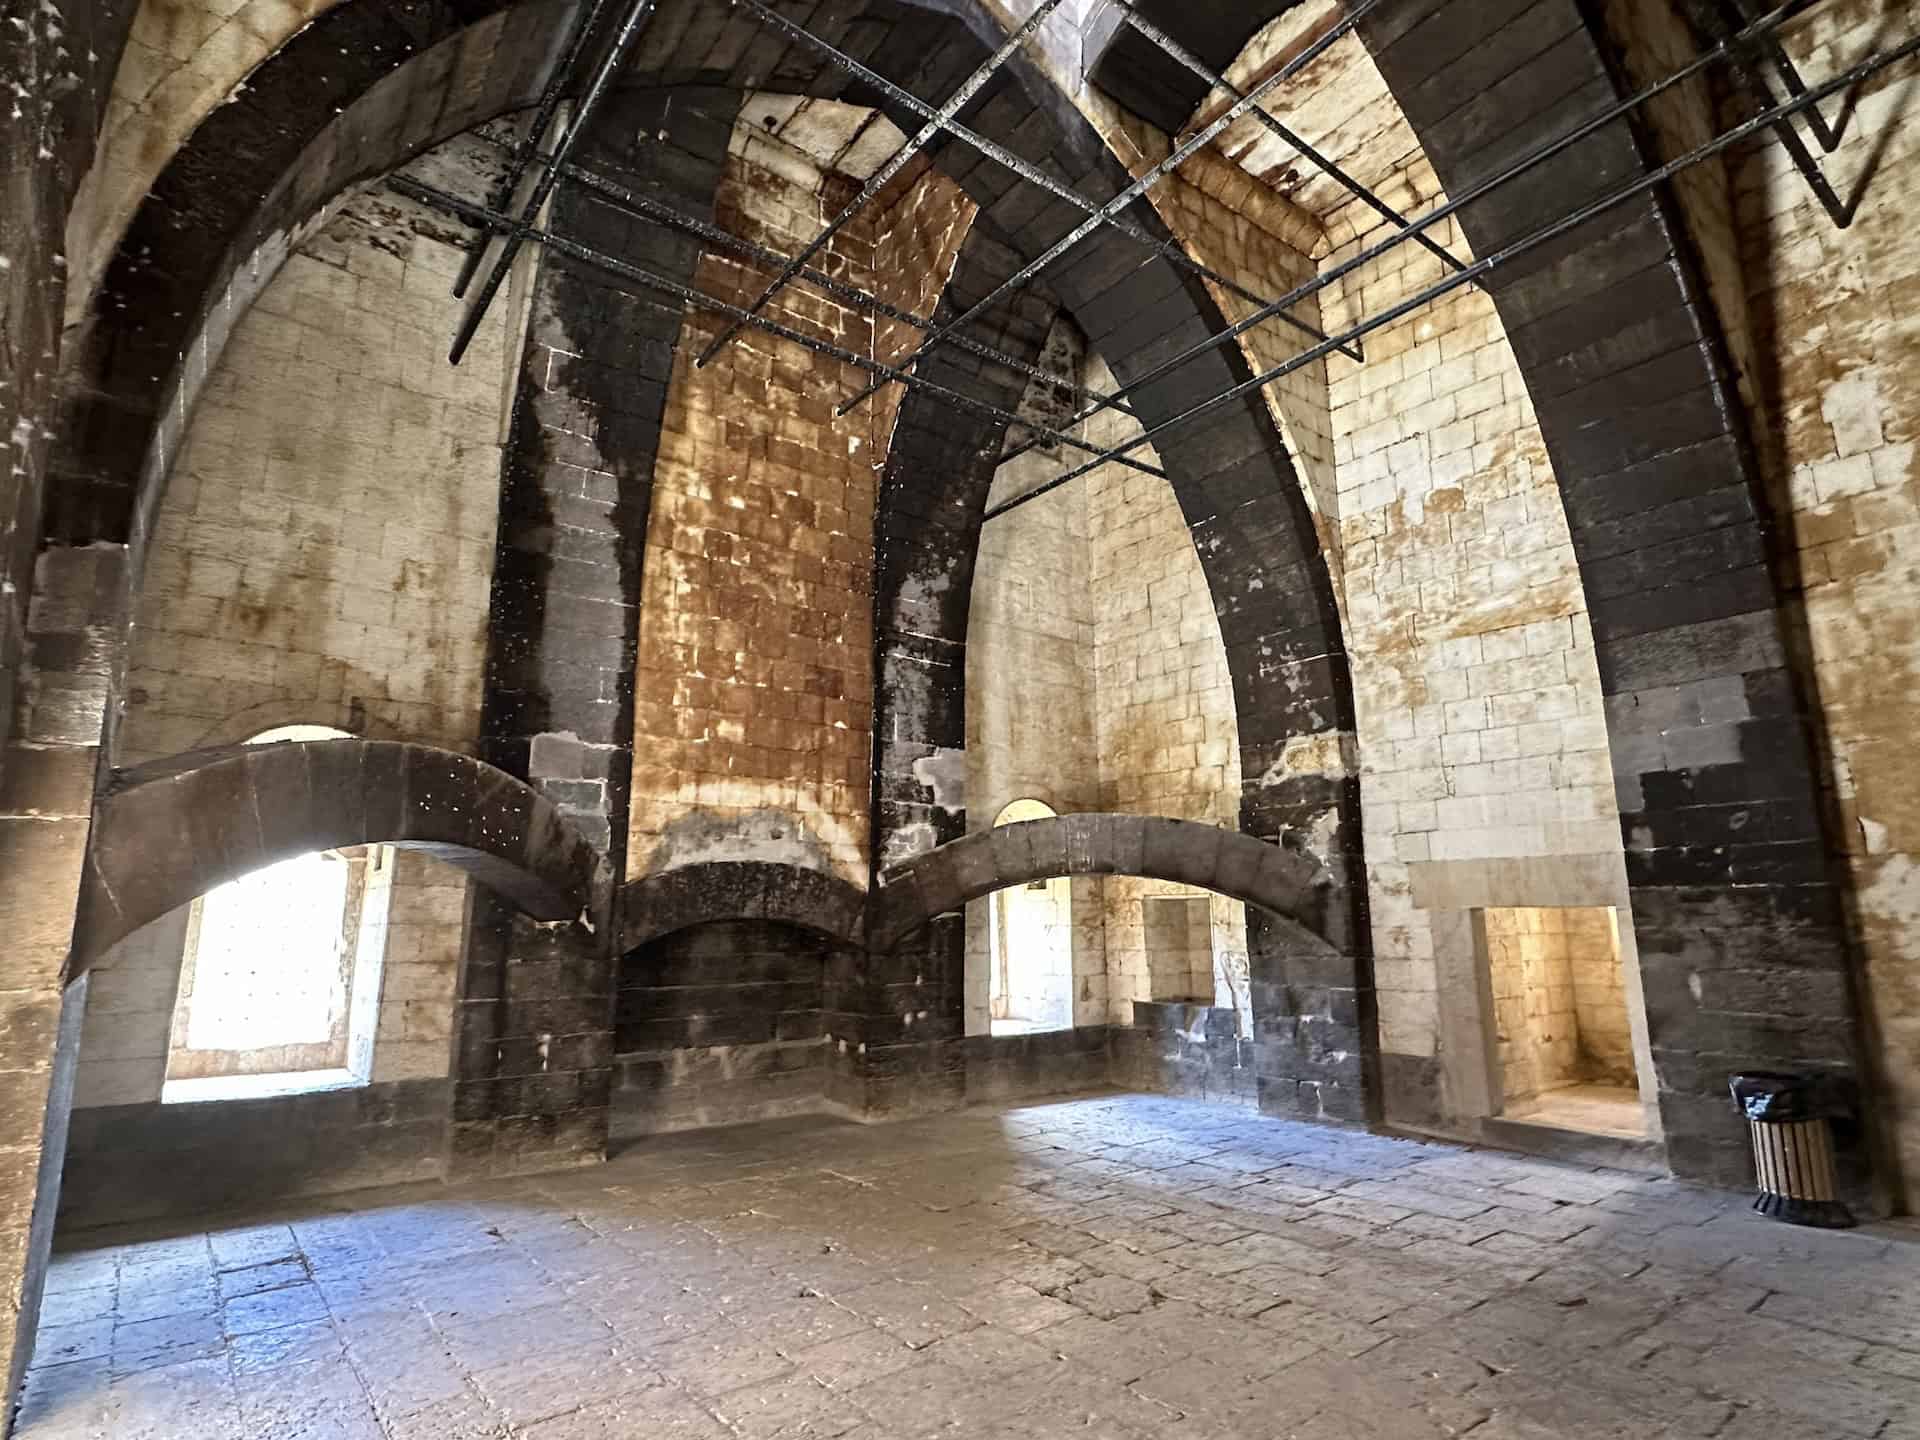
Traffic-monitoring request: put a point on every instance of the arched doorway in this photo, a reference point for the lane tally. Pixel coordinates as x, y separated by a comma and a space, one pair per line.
1030, 946
280, 972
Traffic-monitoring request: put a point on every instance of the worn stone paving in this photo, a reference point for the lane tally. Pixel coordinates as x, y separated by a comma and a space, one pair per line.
1109, 1267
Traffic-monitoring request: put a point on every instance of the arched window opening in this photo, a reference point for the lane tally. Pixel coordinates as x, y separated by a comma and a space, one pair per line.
280, 978
1030, 946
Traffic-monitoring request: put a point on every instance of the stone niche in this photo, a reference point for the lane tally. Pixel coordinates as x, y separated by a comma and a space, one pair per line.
1539, 1016
1557, 996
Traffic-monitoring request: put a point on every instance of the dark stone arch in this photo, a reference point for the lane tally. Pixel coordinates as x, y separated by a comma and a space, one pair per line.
1626, 361
1244, 506
1737, 913
1278, 879
166, 832
701, 894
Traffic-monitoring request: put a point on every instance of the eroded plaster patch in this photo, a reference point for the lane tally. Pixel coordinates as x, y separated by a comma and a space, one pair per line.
944, 773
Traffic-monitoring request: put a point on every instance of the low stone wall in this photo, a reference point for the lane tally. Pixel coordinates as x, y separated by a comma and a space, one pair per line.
149, 1161
1178, 1047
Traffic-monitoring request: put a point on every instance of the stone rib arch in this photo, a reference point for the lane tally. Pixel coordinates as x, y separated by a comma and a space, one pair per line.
1280, 880
717, 890
166, 832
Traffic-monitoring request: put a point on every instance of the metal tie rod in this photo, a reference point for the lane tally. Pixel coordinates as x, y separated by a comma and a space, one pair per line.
585, 23
636, 17
1782, 62
480, 215
1659, 176
1174, 160
1326, 166
882, 177
1707, 20
647, 208
1000, 155
1535, 157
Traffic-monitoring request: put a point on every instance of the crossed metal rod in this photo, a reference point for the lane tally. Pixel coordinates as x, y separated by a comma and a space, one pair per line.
549, 170
881, 178
1772, 115
943, 120
554, 165
584, 25
1166, 249
1708, 20
645, 207
1539, 155
482, 215
1179, 155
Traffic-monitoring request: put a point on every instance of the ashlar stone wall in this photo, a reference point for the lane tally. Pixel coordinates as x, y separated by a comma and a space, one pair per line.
1481, 728
322, 557
1031, 701
1168, 736
1097, 679
1836, 401
753, 705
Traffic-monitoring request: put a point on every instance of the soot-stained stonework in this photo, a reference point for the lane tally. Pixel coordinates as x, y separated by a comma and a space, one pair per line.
1272, 877
720, 1023
58, 71
1739, 926
1234, 483
690, 895
146, 1161
1269, 583
1742, 945
534, 1035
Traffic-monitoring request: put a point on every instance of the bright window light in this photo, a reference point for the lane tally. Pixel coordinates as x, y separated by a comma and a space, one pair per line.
269, 970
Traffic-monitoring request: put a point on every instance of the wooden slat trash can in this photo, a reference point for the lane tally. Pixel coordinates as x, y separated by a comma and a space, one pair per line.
1791, 1126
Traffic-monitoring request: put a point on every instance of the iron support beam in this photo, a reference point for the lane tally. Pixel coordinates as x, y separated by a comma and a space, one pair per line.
1711, 25
1855, 75
645, 207
1782, 62
1000, 155
475, 214
1333, 171
1533, 158
897, 162
1175, 159
585, 23
610, 64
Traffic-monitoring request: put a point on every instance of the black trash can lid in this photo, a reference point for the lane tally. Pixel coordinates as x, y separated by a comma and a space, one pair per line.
1778, 1097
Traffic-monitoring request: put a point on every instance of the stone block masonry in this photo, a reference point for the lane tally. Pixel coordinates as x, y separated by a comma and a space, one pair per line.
1837, 404
1481, 720
59, 68
1559, 1007
303, 569
720, 1024
1739, 927
753, 702
46, 802
755, 664
534, 1023
300, 573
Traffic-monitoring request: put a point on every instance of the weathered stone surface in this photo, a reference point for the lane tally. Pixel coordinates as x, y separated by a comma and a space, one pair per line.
154, 850
1097, 1263
670, 900
1179, 850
